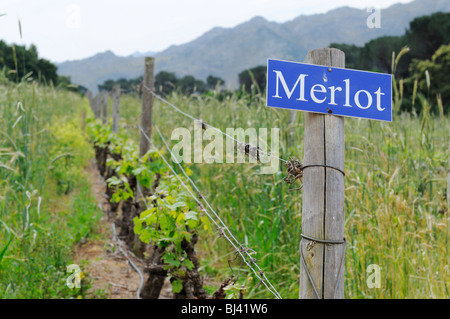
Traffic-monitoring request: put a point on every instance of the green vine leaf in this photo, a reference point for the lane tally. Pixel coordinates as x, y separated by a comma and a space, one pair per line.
177, 286
171, 259
188, 264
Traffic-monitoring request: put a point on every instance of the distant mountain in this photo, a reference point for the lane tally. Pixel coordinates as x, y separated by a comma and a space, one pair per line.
139, 54
225, 52
103, 66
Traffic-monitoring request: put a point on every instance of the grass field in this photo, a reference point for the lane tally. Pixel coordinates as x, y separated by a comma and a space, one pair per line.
395, 197
46, 206
396, 211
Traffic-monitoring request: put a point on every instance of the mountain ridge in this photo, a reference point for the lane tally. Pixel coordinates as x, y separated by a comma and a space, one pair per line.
224, 52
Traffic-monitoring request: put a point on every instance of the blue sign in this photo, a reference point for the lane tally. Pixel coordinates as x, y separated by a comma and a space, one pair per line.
329, 90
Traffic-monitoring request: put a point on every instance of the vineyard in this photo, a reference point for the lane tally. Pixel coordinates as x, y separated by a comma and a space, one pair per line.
211, 230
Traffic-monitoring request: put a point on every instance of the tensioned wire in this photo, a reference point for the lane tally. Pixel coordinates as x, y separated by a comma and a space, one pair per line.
209, 206
271, 289
141, 284
212, 127
242, 247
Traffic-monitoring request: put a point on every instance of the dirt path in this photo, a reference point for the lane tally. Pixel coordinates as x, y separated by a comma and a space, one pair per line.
102, 262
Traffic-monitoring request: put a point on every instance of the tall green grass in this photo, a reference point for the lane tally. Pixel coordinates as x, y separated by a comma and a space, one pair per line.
46, 206
396, 214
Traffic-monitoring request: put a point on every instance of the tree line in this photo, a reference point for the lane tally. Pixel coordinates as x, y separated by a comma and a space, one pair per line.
166, 83
428, 56
427, 43
19, 62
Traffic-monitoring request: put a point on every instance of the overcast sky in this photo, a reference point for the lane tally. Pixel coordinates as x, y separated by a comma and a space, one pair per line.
73, 29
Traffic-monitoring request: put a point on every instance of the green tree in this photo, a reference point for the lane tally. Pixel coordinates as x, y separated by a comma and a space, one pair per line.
378, 54
427, 33
126, 85
438, 68
213, 81
107, 85
19, 61
254, 78
354, 58
424, 36
189, 85
165, 82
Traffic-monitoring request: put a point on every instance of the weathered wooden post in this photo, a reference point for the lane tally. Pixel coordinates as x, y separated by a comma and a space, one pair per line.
93, 103
89, 96
146, 127
323, 87
155, 281
322, 267
116, 108
448, 175
96, 106
147, 105
104, 106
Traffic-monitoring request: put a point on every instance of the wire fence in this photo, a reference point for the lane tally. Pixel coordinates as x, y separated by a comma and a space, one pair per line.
208, 125
223, 230
241, 250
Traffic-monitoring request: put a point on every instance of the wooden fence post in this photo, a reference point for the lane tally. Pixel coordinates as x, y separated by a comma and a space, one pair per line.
147, 105
89, 96
104, 106
146, 126
95, 106
93, 101
323, 196
116, 108
448, 175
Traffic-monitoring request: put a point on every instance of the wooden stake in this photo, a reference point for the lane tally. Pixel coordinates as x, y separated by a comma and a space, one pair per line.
116, 108
147, 105
323, 195
90, 97
97, 110
104, 110
146, 125
448, 176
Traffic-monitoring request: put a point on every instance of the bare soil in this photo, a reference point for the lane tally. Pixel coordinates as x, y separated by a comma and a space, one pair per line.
103, 264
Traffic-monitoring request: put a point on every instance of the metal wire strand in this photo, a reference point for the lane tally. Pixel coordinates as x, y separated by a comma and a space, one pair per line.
206, 124
270, 289
138, 293
244, 249
326, 242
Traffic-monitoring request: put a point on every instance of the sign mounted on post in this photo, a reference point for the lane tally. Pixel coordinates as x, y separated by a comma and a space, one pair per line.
329, 90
